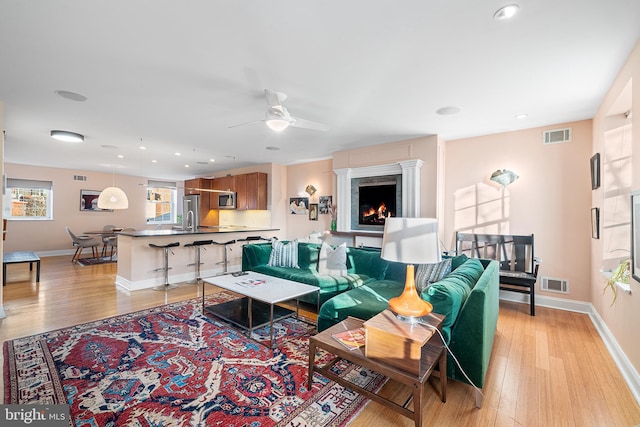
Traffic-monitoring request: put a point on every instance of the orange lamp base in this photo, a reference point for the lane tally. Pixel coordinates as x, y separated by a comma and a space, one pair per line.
409, 303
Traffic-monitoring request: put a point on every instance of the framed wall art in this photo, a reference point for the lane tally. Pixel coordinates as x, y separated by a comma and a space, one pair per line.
298, 205
595, 171
313, 212
89, 201
595, 223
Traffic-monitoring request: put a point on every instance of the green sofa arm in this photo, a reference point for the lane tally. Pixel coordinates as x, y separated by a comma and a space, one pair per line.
473, 333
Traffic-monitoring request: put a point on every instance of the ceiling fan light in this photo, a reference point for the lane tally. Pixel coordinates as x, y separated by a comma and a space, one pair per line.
277, 124
506, 12
113, 198
66, 136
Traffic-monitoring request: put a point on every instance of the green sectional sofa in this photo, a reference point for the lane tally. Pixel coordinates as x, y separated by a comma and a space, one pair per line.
468, 296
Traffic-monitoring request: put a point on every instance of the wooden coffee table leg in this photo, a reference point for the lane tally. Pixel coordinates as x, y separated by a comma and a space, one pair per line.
417, 403
442, 365
312, 358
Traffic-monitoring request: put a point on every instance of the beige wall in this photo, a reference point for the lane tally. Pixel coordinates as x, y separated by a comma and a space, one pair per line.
551, 199
320, 175
49, 235
623, 317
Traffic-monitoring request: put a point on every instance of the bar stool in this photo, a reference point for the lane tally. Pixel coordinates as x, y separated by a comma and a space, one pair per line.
225, 262
166, 248
198, 244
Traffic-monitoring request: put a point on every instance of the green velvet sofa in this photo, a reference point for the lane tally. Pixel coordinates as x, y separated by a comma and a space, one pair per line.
468, 296
363, 266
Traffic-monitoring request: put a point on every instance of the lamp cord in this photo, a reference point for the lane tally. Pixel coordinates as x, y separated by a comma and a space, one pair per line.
420, 321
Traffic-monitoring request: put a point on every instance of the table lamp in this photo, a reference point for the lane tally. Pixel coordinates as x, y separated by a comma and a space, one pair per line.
410, 241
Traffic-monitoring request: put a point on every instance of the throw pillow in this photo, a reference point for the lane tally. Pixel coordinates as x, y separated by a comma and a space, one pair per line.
426, 274
333, 262
284, 254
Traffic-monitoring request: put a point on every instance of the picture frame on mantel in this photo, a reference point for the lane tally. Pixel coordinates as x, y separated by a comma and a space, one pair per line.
635, 235
595, 171
595, 223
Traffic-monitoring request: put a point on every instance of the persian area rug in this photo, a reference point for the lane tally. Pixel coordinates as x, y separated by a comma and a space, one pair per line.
96, 261
173, 366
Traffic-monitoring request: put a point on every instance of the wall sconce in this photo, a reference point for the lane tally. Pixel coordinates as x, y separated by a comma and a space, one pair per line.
504, 177
311, 190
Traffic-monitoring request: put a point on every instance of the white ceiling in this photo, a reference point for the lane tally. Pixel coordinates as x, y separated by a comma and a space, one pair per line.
177, 74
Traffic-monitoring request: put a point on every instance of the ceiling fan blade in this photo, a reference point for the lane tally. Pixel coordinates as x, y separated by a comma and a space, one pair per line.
244, 124
308, 124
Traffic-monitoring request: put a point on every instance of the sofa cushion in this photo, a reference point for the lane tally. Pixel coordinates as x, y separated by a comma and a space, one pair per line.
449, 294
332, 262
366, 262
470, 271
426, 274
363, 302
284, 254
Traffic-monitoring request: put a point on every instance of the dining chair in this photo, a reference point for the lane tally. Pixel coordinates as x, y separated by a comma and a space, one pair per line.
107, 236
81, 242
113, 241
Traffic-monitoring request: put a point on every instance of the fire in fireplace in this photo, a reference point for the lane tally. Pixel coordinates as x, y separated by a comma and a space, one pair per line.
377, 201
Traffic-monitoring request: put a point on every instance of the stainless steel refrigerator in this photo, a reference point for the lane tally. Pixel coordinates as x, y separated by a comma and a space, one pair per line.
191, 212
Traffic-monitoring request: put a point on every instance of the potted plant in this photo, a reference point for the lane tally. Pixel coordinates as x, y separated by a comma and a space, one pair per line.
620, 274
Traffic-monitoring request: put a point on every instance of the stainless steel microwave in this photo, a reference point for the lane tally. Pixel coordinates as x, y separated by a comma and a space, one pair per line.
227, 200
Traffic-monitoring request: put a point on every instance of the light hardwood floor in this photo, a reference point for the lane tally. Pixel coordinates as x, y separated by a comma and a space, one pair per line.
549, 370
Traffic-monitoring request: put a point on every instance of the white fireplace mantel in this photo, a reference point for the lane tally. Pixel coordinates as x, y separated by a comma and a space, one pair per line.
410, 170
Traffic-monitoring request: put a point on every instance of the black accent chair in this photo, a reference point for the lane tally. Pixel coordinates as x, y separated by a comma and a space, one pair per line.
518, 265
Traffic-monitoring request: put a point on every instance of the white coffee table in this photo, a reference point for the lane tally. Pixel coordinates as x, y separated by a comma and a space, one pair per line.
261, 294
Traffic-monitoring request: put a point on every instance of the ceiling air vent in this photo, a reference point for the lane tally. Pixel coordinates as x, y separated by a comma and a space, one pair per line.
556, 136
555, 285
79, 177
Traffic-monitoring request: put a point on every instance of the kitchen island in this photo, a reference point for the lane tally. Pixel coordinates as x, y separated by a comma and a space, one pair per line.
137, 261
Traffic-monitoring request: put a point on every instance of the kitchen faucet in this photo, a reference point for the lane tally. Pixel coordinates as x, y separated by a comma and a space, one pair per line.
190, 221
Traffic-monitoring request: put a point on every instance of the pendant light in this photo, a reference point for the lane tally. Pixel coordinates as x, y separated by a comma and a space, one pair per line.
113, 197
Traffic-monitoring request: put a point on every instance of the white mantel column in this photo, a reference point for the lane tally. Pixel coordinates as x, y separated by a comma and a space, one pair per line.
411, 187
343, 197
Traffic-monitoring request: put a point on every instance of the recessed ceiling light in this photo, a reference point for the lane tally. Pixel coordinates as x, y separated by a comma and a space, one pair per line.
142, 147
72, 96
212, 160
448, 111
522, 116
273, 148
177, 154
120, 156
63, 135
186, 166
154, 161
506, 12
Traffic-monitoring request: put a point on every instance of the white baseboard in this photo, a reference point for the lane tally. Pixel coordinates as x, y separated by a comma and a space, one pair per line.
628, 371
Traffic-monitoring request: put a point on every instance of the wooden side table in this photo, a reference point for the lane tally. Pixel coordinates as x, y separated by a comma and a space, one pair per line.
433, 354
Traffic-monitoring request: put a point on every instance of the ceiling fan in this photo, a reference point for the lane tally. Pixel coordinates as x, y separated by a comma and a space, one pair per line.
277, 117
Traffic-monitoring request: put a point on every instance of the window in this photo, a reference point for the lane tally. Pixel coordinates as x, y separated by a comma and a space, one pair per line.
161, 202
28, 199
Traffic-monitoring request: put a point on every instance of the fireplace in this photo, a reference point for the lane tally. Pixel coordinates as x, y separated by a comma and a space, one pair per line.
376, 202
373, 200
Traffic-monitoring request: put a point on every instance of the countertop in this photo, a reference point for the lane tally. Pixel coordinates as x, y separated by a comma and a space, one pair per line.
201, 230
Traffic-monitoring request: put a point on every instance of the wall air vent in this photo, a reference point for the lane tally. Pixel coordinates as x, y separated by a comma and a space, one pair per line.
79, 177
556, 136
554, 285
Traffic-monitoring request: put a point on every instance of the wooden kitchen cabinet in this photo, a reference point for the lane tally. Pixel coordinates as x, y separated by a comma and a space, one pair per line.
191, 185
252, 191
222, 183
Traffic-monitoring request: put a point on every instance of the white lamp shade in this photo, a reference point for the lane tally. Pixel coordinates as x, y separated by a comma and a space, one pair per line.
113, 198
411, 240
